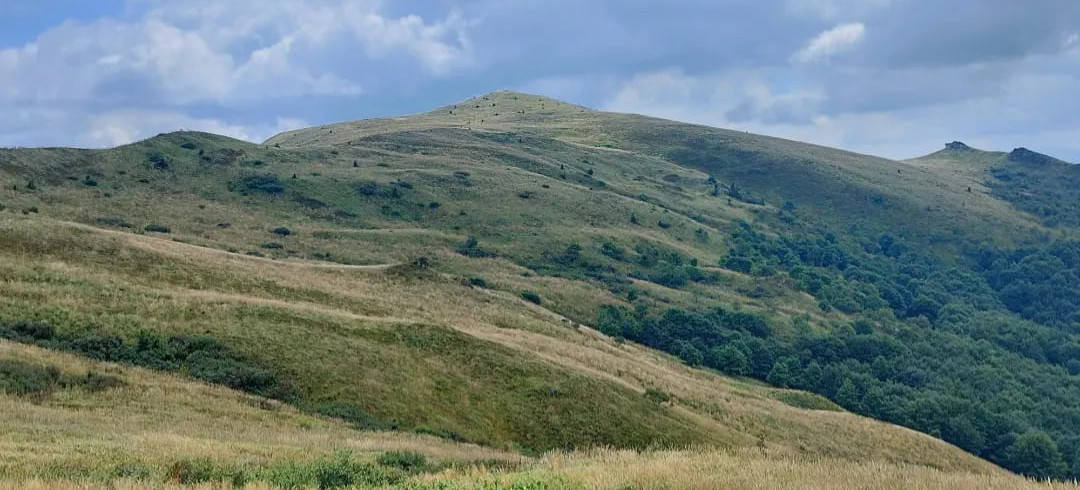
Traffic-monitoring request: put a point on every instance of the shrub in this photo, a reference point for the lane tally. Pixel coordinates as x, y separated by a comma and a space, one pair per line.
477, 282
614, 251
187, 145
156, 228
531, 296
117, 222
350, 413
265, 183
27, 332
272, 246
471, 248
157, 161
281, 231
89, 182
194, 471
367, 188
408, 461
657, 396
203, 358
21, 379
95, 382
132, 471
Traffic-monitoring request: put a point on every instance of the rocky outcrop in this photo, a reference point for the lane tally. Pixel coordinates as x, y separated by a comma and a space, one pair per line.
1024, 155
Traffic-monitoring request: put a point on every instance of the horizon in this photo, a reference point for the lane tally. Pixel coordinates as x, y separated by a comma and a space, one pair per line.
943, 147
838, 73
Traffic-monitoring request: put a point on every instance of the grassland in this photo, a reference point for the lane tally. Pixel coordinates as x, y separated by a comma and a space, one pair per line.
335, 258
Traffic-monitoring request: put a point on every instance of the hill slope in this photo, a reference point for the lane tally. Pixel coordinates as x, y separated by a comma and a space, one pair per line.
436, 273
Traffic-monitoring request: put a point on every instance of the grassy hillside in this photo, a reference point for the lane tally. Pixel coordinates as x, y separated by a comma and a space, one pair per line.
509, 272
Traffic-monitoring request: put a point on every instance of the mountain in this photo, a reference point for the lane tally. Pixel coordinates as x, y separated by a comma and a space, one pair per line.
512, 275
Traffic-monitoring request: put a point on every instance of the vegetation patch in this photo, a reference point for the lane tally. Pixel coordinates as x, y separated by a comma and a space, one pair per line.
39, 381
261, 183
203, 358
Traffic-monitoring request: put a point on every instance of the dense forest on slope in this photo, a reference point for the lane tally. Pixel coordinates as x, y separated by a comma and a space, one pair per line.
930, 346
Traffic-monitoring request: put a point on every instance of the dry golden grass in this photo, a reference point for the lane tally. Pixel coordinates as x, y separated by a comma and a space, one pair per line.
747, 469
157, 419
728, 412
691, 469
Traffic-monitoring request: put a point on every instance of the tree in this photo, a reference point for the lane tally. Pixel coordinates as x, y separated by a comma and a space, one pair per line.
688, 353
1035, 454
847, 395
783, 372
729, 359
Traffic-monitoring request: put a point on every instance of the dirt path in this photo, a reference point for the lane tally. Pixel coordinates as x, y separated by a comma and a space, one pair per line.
181, 249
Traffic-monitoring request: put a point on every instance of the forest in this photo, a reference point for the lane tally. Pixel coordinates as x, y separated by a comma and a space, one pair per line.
981, 352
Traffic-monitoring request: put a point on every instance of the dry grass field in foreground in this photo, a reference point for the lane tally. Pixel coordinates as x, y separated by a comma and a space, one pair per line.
687, 469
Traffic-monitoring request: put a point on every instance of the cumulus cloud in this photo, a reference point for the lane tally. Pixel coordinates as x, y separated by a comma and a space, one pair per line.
149, 68
893, 77
831, 42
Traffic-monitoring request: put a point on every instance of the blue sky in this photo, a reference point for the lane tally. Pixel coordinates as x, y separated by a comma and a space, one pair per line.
896, 78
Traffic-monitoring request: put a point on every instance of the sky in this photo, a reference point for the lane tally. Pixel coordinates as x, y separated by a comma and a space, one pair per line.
895, 78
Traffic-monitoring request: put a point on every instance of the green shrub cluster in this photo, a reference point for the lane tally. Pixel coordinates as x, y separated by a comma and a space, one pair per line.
27, 379
339, 470
263, 183
471, 248
201, 357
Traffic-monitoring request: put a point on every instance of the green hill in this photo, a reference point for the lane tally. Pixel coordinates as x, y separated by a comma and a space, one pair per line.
528, 275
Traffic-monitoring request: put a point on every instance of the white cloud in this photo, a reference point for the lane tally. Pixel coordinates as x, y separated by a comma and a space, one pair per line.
1034, 108
119, 79
831, 42
226, 52
127, 126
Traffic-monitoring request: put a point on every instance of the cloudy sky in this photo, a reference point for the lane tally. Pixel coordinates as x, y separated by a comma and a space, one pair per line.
896, 78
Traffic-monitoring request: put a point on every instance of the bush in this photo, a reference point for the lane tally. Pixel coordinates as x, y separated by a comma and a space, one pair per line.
407, 461
281, 231
265, 183
203, 358
22, 379
477, 282
156, 228
367, 188
272, 246
471, 248
27, 332
194, 471
117, 222
657, 396
350, 413
89, 182
157, 161
95, 382
531, 296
